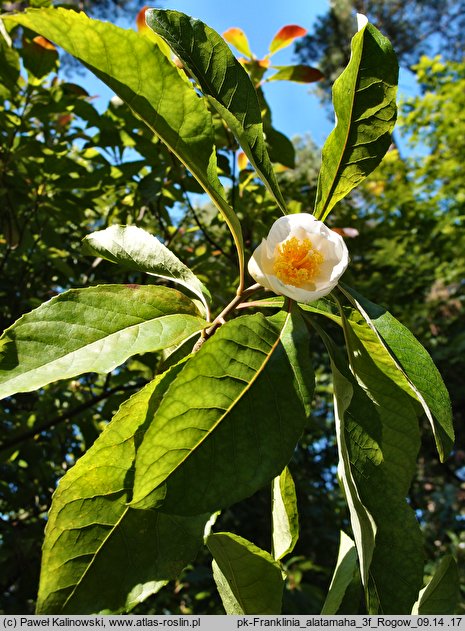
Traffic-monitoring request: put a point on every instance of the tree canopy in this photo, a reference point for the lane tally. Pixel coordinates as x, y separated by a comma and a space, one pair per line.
68, 172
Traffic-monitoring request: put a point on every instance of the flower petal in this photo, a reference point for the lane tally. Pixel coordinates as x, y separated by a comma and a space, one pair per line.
303, 227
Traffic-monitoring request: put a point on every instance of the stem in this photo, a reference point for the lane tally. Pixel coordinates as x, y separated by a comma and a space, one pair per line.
235, 302
61, 418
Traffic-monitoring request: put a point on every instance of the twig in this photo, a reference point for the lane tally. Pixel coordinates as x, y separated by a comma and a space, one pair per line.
61, 418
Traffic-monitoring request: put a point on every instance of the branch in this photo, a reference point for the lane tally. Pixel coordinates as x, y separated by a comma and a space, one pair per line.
61, 418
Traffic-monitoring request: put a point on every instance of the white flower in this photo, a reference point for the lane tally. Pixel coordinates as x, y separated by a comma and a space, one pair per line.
301, 258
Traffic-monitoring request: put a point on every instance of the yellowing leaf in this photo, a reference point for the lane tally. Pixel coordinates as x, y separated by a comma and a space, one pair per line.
238, 39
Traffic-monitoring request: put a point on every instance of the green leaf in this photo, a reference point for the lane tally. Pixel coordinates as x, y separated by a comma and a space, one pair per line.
223, 81
249, 580
382, 439
141, 75
417, 366
364, 99
230, 421
284, 514
349, 399
442, 593
299, 73
9, 65
280, 148
345, 573
92, 534
92, 330
137, 249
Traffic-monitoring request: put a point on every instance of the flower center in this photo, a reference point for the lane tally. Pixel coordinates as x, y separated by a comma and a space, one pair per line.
296, 262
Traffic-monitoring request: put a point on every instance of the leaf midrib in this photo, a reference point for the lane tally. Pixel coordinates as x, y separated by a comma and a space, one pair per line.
88, 347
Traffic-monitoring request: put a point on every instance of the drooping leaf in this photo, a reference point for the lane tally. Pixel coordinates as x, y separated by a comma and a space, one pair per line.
151, 86
92, 330
348, 395
382, 439
345, 572
93, 535
417, 366
285, 36
137, 249
299, 73
442, 593
284, 514
219, 434
248, 579
365, 106
223, 81
238, 39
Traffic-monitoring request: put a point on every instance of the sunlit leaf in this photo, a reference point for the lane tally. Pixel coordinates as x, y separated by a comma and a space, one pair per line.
150, 84
345, 572
249, 580
137, 249
92, 536
284, 514
92, 330
238, 39
223, 81
416, 365
364, 98
218, 435
285, 36
299, 74
442, 593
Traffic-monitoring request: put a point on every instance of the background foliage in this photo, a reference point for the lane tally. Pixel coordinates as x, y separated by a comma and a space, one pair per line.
66, 170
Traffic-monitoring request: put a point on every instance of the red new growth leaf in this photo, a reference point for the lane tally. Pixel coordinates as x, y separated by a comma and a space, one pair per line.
43, 43
286, 36
238, 39
140, 20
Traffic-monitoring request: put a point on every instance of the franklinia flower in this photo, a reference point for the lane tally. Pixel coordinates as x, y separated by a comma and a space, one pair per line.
301, 258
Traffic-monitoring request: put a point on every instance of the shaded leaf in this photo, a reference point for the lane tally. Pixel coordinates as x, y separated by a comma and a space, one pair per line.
345, 572
382, 439
223, 81
238, 39
137, 249
9, 65
151, 86
299, 73
92, 330
285, 36
219, 434
364, 102
417, 366
442, 593
280, 148
248, 579
346, 407
92, 534
284, 514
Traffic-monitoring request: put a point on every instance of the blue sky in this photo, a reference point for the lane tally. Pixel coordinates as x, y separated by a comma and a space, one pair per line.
295, 110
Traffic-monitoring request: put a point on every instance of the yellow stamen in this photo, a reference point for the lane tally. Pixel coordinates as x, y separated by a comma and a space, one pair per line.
296, 262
